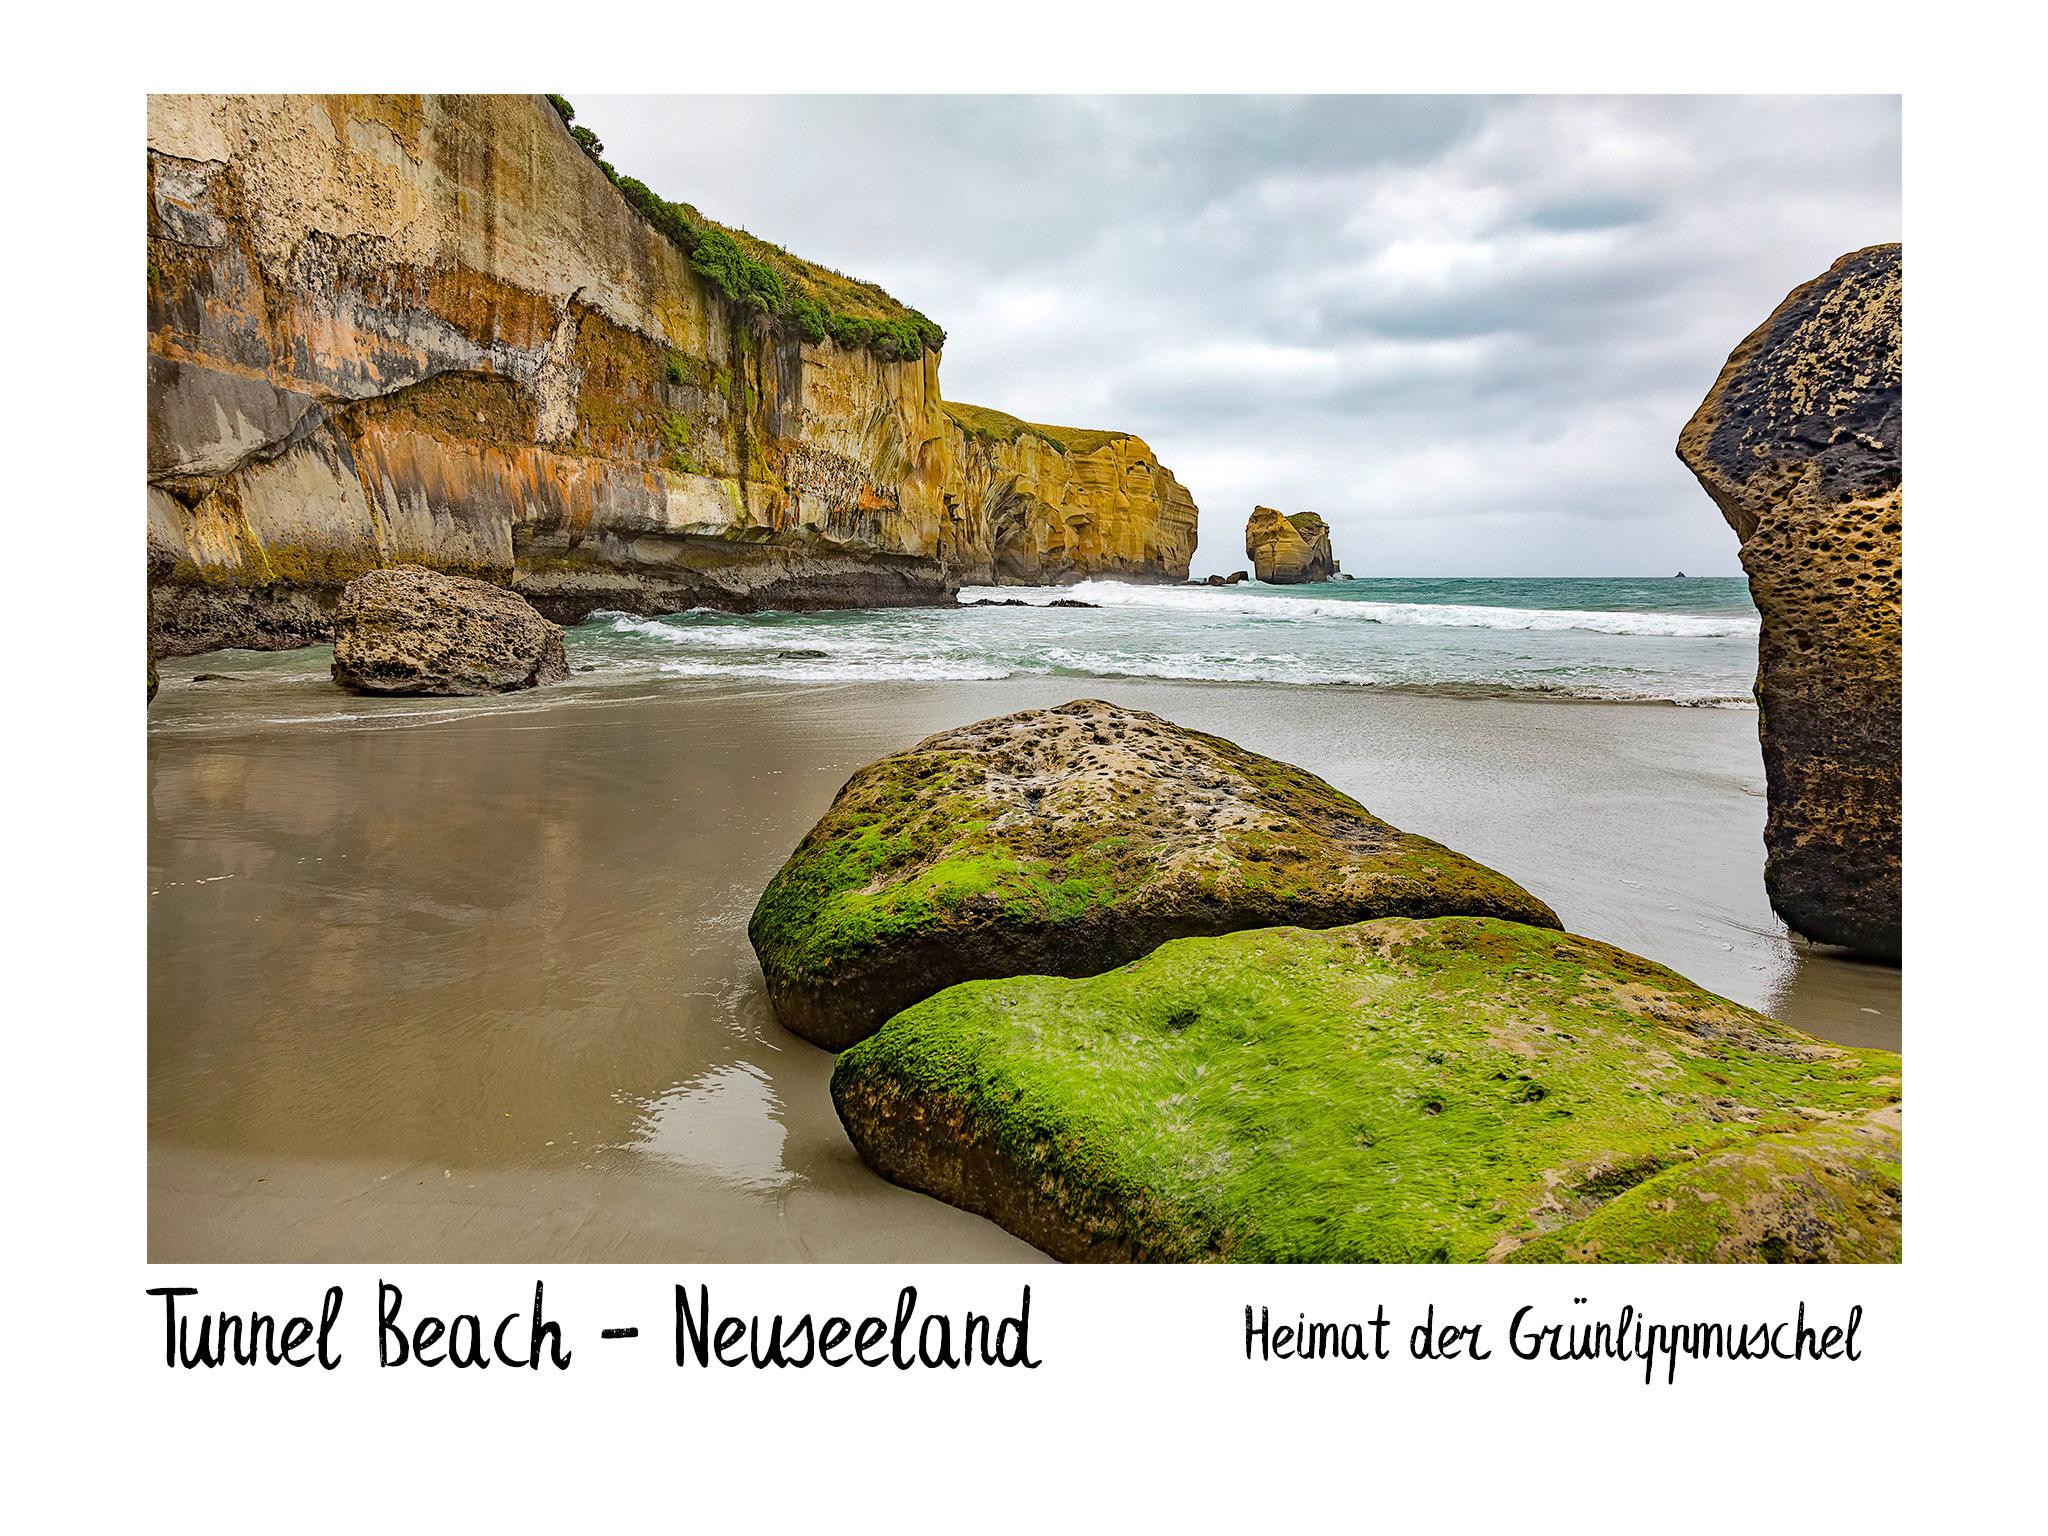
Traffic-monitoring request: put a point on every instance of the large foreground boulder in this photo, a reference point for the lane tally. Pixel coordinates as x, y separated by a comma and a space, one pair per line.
1067, 841
411, 630
1397, 1091
1289, 550
1798, 443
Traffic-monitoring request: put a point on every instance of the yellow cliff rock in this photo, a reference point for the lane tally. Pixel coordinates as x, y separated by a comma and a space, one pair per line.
1288, 549
431, 329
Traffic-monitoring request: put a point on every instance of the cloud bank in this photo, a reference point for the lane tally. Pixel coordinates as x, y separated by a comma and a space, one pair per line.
1465, 330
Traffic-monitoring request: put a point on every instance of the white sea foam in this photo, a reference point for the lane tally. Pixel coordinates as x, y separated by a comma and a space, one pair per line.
1320, 637
850, 669
1253, 603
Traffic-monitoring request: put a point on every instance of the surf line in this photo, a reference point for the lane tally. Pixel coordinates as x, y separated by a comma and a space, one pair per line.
875, 1341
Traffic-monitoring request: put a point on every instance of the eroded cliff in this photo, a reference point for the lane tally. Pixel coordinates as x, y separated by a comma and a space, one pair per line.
433, 330
1062, 504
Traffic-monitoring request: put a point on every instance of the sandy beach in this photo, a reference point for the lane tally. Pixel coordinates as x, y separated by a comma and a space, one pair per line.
444, 980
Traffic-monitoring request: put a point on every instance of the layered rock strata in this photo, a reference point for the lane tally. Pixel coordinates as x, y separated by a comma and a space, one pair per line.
1288, 548
430, 330
1064, 504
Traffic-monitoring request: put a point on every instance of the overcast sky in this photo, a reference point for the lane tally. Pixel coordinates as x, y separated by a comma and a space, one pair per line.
1465, 330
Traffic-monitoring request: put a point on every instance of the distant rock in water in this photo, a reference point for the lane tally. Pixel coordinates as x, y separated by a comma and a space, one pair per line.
1019, 602
1395, 1091
411, 630
1289, 549
1235, 577
1679, 577
1067, 841
1798, 442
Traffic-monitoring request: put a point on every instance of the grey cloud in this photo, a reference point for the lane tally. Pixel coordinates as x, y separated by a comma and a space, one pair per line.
1466, 330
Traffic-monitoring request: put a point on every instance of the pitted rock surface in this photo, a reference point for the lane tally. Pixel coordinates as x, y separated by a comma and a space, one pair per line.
1799, 444
412, 630
1069, 841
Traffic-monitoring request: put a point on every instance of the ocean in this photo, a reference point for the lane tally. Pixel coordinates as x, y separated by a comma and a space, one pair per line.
1683, 641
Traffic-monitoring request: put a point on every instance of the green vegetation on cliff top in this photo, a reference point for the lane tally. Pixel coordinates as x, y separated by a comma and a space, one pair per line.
1001, 427
814, 301
1397, 1091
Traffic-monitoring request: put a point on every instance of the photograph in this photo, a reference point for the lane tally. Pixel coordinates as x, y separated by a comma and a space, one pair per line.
1122, 767
939, 679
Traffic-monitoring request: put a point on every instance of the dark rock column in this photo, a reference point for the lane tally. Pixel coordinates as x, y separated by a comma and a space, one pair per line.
1798, 443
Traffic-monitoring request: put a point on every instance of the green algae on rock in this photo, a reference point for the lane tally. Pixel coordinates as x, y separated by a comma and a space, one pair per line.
1068, 841
1400, 1091
1826, 1195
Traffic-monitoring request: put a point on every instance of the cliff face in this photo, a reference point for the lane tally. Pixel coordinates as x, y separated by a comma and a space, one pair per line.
1063, 504
1799, 444
430, 329
1287, 549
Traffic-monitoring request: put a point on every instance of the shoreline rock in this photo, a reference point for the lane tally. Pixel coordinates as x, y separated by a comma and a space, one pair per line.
1068, 841
1289, 549
410, 630
1399, 1091
1799, 444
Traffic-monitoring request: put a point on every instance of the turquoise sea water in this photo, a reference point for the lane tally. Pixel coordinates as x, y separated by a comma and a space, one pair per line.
1685, 641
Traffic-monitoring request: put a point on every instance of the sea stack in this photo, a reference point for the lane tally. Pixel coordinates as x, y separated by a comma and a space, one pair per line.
1798, 442
1288, 550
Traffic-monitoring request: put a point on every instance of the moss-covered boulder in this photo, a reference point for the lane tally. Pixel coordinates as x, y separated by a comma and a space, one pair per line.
1065, 842
407, 629
1398, 1091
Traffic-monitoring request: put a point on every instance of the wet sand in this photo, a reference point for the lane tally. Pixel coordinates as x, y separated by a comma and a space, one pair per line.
468, 980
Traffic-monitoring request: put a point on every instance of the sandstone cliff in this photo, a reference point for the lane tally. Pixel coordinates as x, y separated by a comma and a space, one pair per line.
434, 330
1062, 503
1799, 442
1288, 549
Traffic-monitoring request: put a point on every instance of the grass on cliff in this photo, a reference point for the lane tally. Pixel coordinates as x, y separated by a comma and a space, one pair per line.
797, 295
1397, 1091
1000, 427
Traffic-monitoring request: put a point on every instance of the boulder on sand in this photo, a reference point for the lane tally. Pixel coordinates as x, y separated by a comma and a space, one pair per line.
1799, 444
1398, 1091
1065, 842
411, 630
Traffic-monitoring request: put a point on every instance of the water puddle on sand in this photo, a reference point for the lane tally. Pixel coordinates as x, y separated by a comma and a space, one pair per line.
725, 1123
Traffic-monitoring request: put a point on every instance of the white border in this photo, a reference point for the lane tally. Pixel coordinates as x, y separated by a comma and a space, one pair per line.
1144, 1410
